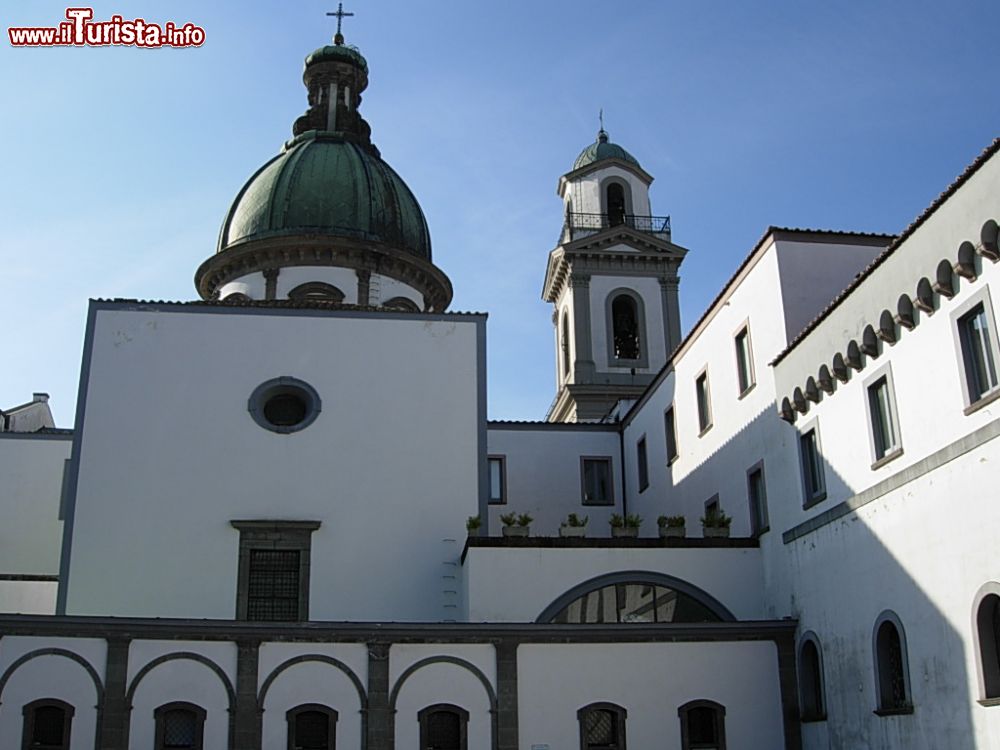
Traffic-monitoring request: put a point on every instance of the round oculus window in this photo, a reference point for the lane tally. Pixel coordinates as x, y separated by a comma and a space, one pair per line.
284, 405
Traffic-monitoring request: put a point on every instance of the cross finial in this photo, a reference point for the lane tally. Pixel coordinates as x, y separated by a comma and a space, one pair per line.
602, 136
341, 15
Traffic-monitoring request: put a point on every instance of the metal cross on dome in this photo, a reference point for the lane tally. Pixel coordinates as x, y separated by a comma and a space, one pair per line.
341, 15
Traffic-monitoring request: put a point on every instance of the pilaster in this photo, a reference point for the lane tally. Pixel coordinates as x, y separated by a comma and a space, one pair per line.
380, 724
364, 286
271, 283
506, 719
114, 716
671, 312
788, 681
245, 720
583, 365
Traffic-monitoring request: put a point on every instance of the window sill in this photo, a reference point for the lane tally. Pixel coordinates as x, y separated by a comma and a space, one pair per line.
747, 391
672, 461
497, 502
890, 456
986, 400
594, 504
899, 711
643, 488
760, 532
812, 719
814, 500
705, 429
987, 702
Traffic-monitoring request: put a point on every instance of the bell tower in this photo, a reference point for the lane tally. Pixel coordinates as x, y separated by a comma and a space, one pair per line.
612, 281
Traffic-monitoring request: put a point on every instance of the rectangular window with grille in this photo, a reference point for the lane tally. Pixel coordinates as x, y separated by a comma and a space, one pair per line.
274, 563
273, 592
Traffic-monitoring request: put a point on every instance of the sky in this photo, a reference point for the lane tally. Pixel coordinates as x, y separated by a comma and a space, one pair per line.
120, 163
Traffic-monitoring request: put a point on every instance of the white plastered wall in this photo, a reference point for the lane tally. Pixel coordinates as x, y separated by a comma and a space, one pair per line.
345, 279
252, 285
180, 680
923, 544
389, 288
31, 475
367, 458
504, 585
312, 682
50, 676
544, 475
441, 682
743, 429
650, 681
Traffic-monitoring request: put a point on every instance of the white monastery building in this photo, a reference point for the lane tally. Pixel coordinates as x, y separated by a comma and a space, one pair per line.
299, 571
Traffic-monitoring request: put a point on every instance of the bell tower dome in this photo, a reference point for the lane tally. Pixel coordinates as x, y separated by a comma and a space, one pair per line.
612, 281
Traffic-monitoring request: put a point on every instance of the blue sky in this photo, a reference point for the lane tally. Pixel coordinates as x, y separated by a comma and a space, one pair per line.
120, 163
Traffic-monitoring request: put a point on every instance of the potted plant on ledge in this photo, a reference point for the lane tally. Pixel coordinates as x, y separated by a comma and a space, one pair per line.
516, 525
473, 524
627, 527
715, 525
574, 526
671, 526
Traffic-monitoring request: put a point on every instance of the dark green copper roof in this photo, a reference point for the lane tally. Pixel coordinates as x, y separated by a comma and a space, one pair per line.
338, 53
324, 184
602, 149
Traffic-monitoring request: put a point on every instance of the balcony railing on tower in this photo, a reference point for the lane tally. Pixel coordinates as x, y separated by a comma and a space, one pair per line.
583, 225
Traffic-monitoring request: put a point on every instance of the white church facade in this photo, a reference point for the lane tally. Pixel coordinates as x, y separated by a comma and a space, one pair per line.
343, 553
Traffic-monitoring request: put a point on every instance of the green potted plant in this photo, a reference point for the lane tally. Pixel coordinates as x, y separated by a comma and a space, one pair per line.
625, 527
574, 526
715, 525
672, 526
473, 524
516, 524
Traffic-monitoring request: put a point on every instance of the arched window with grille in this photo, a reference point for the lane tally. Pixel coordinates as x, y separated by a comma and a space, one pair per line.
318, 291
443, 727
892, 679
987, 626
602, 727
311, 726
626, 329
812, 699
703, 725
401, 303
179, 726
47, 724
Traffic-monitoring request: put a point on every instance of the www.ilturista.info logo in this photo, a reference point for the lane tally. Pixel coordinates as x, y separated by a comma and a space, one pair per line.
79, 31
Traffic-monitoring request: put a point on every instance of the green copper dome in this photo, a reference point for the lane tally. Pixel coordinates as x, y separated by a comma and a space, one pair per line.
325, 184
602, 149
